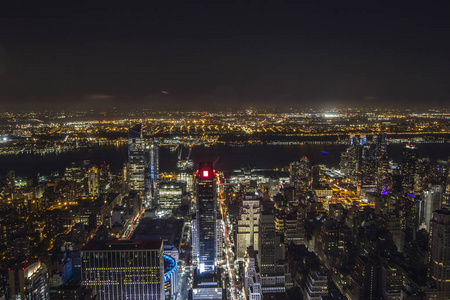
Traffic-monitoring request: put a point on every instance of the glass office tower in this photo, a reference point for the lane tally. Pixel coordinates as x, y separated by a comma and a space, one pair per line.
206, 219
136, 158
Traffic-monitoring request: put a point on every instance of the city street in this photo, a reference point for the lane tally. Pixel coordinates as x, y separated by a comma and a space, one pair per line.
229, 256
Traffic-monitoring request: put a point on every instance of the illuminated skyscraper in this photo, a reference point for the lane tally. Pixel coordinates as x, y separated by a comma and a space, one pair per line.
206, 219
93, 182
152, 172
29, 281
409, 167
431, 201
170, 194
382, 163
299, 175
136, 158
247, 232
439, 252
368, 174
270, 256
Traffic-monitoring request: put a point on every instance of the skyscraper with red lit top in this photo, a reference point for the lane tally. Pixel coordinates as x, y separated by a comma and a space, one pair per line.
206, 196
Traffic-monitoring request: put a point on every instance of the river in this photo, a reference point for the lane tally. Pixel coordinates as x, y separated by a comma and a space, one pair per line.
226, 157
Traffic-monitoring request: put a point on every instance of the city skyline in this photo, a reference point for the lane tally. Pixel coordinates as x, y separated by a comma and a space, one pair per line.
224, 150
360, 230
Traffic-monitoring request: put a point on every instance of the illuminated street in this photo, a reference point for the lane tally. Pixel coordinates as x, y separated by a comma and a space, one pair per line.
234, 291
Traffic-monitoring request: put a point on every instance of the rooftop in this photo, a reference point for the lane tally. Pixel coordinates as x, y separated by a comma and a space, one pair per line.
117, 245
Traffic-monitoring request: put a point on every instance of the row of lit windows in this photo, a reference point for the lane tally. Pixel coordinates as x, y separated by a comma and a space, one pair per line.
120, 269
109, 282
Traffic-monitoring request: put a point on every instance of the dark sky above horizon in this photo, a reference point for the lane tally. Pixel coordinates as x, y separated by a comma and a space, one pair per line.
224, 54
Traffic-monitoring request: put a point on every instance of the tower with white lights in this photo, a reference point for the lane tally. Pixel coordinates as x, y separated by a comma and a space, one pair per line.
206, 198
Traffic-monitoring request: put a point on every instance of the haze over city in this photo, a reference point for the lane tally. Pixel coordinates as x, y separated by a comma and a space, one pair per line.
198, 54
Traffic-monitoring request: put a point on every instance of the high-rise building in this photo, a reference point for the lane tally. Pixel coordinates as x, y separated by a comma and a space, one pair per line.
11, 179
105, 178
266, 253
136, 158
124, 269
315, 176
382, 163
391, 281
439, 252
316, 286
299, 172
294, 230
350, 158
29, 281
332, 243
206, 199
219, 237
93, 181
152, 173
247, 232
271, 256
364, 281
368, 176
409, 167
252, 284
392, 222
423, 176
431, 201
194, 238
170, 194
188, 179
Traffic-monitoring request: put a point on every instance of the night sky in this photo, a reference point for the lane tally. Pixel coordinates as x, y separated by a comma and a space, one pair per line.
221, 54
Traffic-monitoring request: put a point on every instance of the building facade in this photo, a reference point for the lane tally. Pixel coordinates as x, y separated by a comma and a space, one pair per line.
124, 269
439, 252
152, 173
29, 281
247, 232
206, 198
136, 158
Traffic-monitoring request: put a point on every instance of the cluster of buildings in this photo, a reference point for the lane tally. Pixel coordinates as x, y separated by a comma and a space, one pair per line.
96, 233
85, 129
372, 229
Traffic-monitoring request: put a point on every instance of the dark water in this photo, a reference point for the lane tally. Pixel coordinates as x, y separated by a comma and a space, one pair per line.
228, 158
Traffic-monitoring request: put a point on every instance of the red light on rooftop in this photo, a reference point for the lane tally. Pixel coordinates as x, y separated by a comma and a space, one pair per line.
205, 173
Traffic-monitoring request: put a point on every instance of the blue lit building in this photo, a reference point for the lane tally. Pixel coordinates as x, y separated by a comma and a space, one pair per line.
206, 219
170, 277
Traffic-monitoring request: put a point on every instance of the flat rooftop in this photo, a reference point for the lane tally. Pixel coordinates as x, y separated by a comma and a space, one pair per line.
121, 245
169, 230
